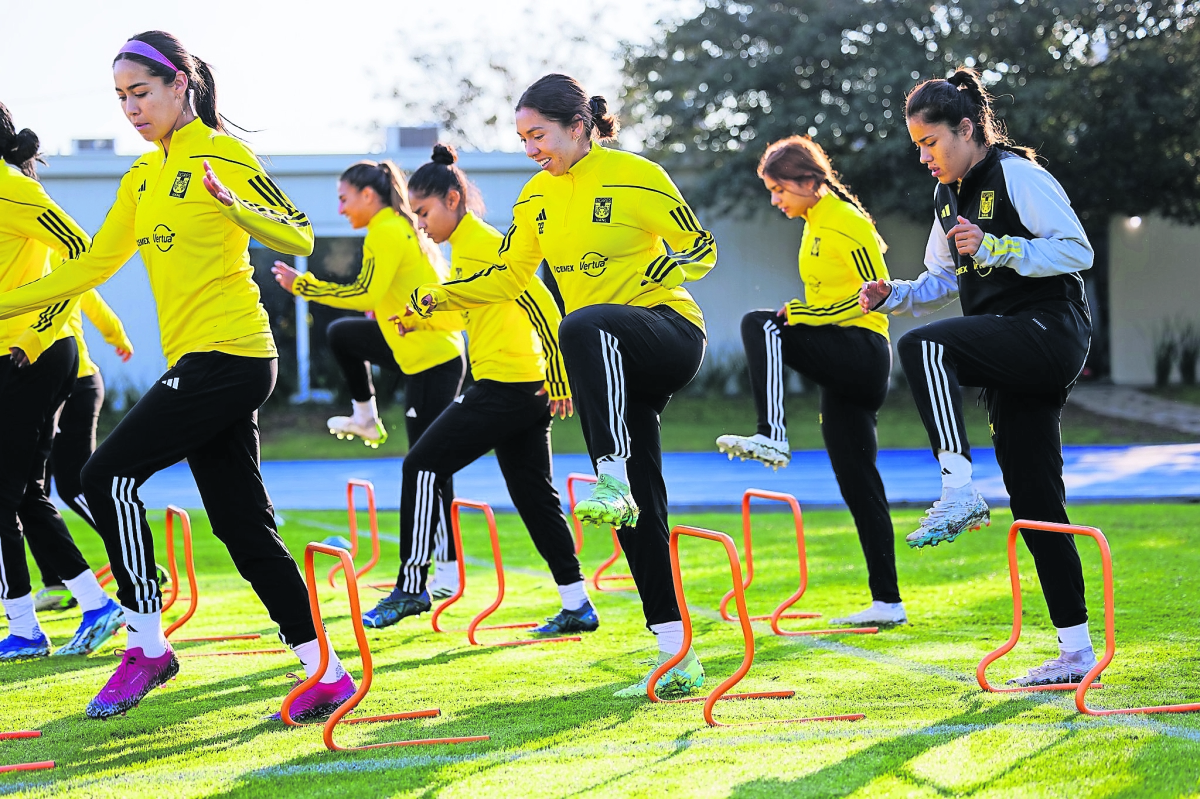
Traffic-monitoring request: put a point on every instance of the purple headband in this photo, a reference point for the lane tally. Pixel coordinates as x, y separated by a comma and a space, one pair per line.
146, 51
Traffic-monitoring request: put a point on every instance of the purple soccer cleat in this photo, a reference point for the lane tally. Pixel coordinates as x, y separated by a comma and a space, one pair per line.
319, 701
134, 678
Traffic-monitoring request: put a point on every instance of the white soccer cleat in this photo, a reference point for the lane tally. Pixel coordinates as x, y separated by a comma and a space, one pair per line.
959, 510
880, 614
444, 582
756, 447
1067, 668
371, 432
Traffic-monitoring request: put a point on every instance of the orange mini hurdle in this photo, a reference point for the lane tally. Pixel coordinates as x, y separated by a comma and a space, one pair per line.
781, 611
1110, 642
455, 508
599, 578
174, 512
352, 520
364, 652
38, 766
721, 691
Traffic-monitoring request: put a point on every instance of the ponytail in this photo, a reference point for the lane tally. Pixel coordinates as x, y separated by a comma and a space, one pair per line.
21, 149
958, 97
441, 176
387, 181
799, 158
202, 89
561, 99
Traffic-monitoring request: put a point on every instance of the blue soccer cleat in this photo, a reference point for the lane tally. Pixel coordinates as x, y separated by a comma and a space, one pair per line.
96, 628
582, 620
396, 606
14, 647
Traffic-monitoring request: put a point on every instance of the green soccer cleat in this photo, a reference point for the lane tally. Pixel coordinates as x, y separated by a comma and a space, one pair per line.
610, 503
683, 678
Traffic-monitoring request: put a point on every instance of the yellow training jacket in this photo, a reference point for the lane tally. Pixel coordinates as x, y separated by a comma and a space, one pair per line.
393, 265
32, 226
510, 342
105, 320
194, 247
838, 253
601, 228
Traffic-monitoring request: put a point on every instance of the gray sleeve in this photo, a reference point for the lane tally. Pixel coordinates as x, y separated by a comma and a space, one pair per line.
1059, 245
934, 288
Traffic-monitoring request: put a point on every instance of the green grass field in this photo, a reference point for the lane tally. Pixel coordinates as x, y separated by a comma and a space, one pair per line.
692, 423
557, 731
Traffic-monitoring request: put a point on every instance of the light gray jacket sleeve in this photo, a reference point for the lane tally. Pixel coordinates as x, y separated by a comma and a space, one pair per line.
934, 288
1059, 245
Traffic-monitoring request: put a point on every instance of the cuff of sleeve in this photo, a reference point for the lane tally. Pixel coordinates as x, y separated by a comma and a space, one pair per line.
674, 279
558, 391
30, 344
894, 300
984, 255
793, 309
301, 284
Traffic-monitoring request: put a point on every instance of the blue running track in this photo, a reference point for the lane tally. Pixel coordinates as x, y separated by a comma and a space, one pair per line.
709, 481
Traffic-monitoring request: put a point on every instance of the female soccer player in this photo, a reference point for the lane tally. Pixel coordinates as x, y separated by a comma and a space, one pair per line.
1006, 243
189, 207
829, 340
397, 257
76, 437
520, 382
602, 220
37, 371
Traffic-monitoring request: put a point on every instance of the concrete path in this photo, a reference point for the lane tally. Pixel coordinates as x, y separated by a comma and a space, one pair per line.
1125, 402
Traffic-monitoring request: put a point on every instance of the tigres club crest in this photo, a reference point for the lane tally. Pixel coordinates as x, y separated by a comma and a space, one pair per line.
816, 248
179, 187
602, 210
987, 203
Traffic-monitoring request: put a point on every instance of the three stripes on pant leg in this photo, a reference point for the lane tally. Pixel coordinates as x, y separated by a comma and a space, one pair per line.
774, 387
427, 509
133, 550
937, 381
614, 375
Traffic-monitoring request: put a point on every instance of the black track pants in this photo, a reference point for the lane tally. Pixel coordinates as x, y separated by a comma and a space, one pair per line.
624, 363
356, 344
204, 409
1027, 363
30, 398
851, 365
513, 419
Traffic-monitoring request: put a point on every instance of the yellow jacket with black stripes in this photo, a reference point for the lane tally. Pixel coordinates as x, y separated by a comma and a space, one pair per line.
510, 342
194, 247
92, 305
603, 228
34, 232
838, 253
393, 265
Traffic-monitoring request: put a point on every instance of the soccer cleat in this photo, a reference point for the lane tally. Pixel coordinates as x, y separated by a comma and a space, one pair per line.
444, 582
683, 678
137, 676
14, 647
1068, 667
610, 503
582, 620
319, 701
96, 628
958, 510
54, 597
880, 614
372, 433
757, 447
396, 606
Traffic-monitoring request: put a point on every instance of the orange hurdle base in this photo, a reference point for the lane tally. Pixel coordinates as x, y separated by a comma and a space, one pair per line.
44, 764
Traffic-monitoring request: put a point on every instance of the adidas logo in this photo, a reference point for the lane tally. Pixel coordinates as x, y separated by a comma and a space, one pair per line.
171, 382
541, 221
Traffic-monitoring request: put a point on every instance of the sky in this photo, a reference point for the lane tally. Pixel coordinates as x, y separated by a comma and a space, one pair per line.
309, 77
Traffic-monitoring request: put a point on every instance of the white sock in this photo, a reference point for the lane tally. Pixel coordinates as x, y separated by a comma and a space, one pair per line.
614, 467
365, 412
956, 469
144, 630
86, 588
574, 596
670, 636
1074, 639
310, 657
22, 619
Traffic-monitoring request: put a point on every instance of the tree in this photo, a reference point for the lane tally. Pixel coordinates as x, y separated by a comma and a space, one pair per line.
1106, 91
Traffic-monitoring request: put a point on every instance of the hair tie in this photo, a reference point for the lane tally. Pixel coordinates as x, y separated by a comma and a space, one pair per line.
138, 47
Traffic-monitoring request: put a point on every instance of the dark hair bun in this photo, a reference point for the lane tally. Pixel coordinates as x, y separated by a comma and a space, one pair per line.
443, 154
22, 147
598, 106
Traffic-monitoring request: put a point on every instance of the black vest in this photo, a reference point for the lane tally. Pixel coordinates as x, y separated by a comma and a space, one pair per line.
982, 197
